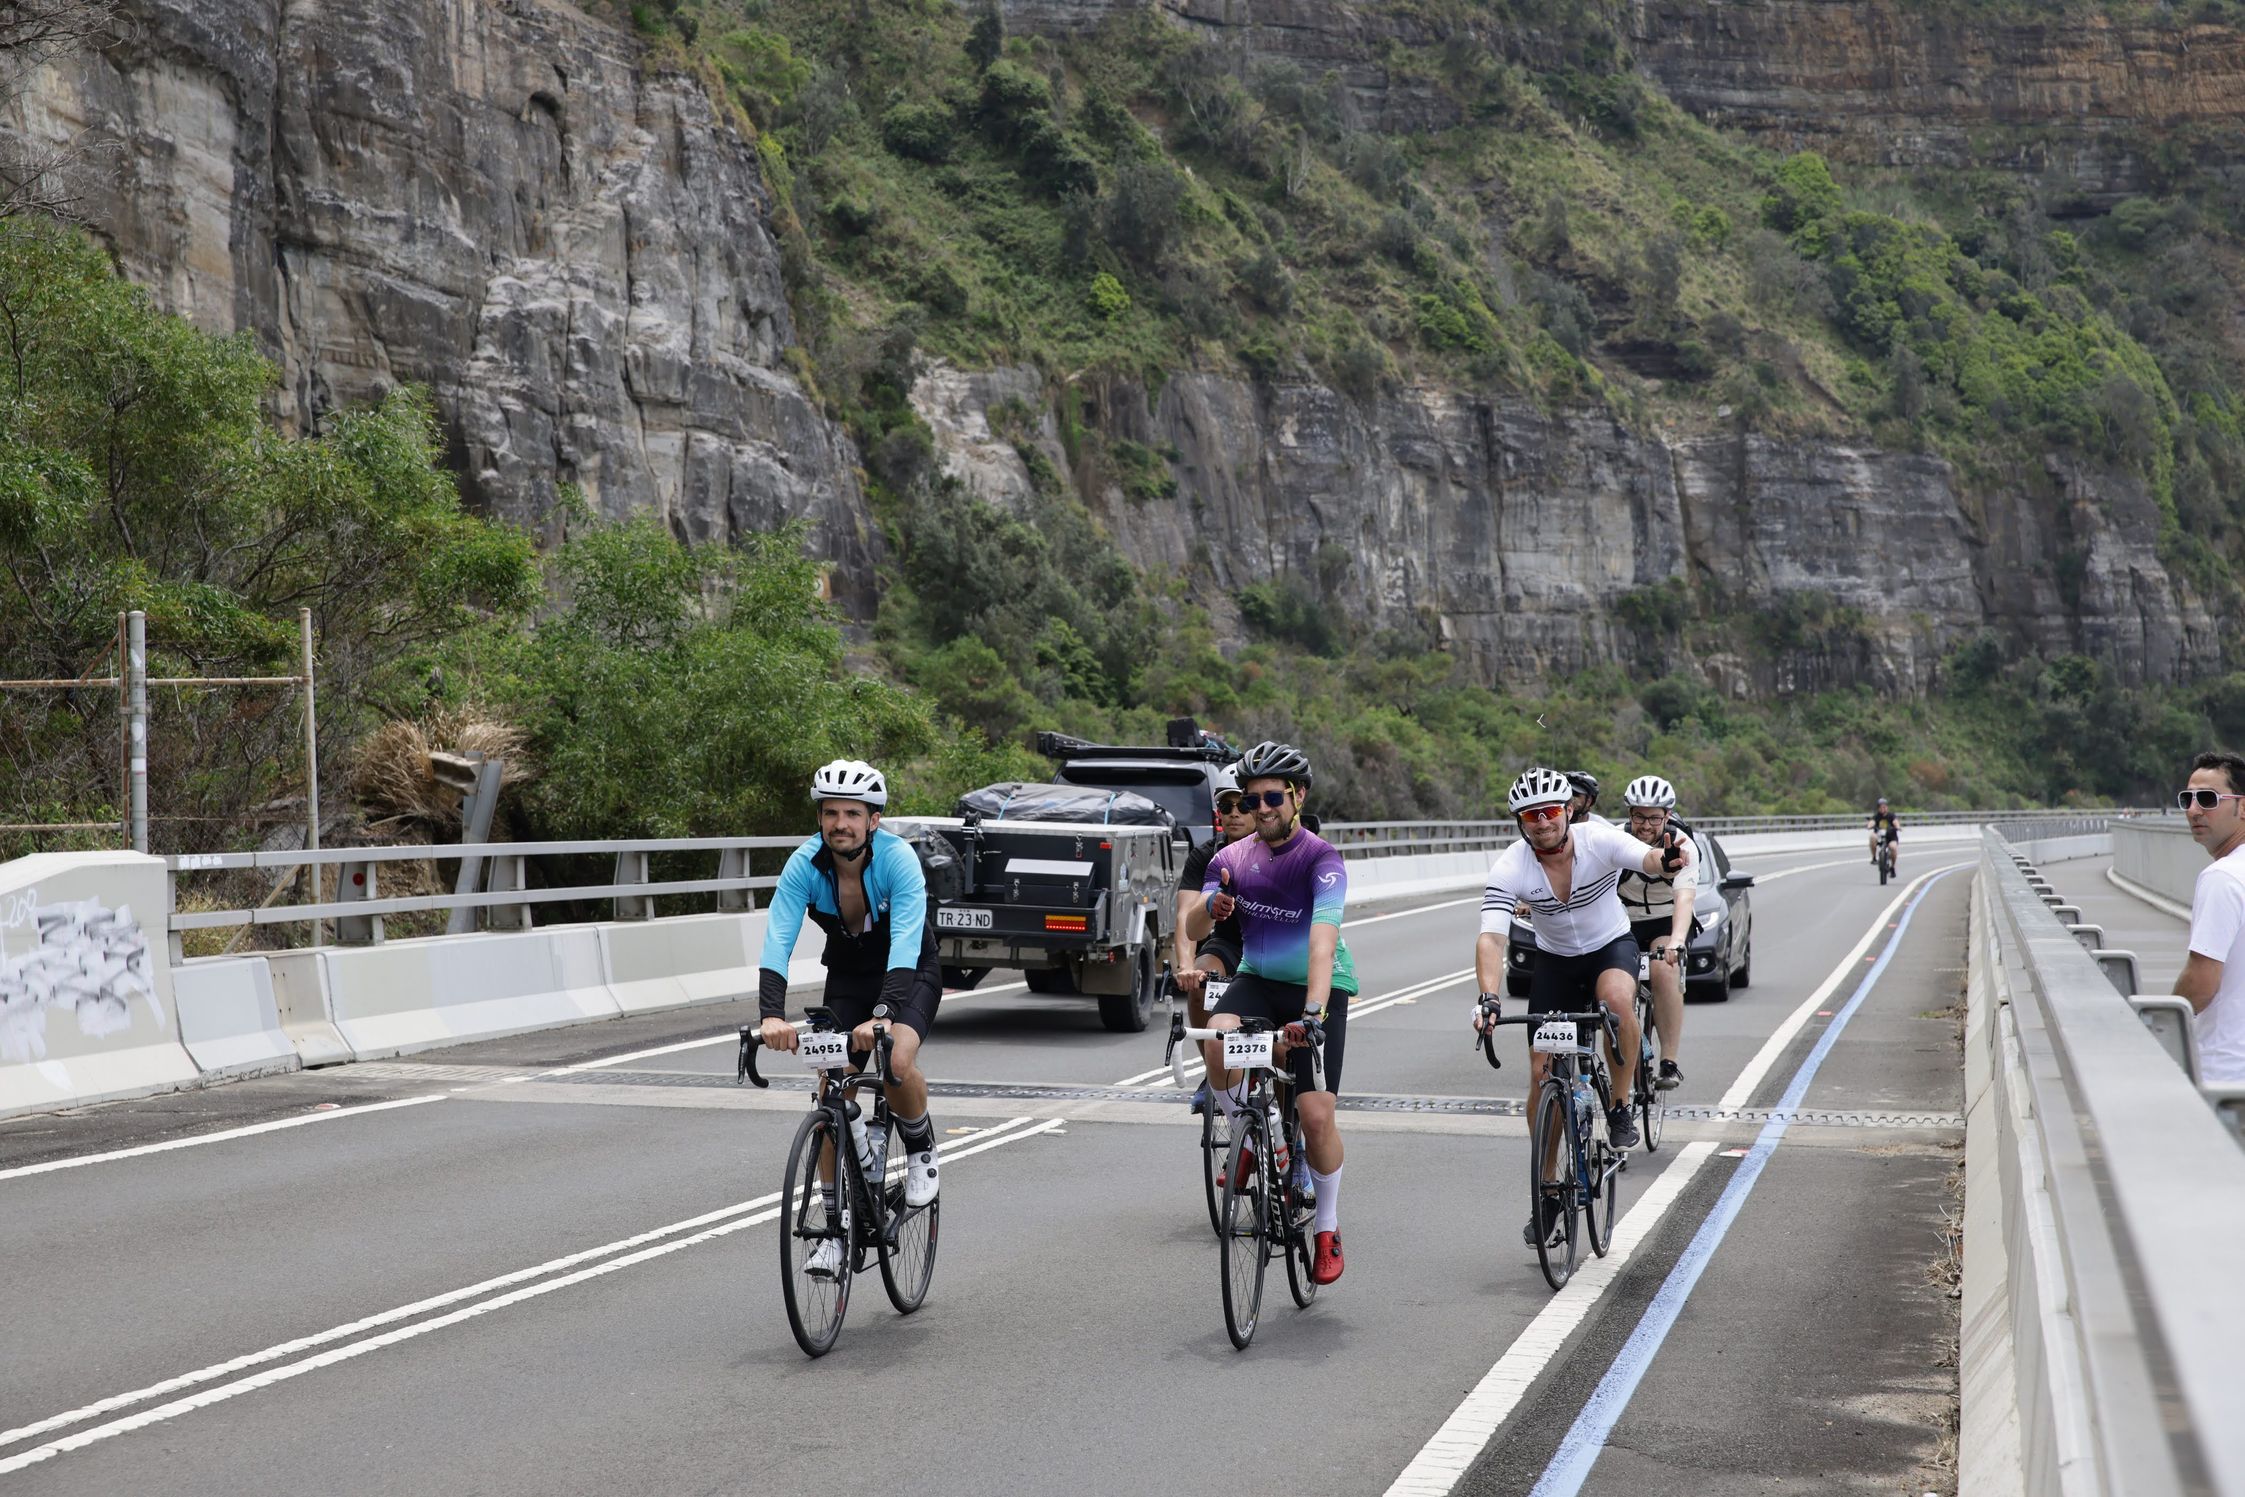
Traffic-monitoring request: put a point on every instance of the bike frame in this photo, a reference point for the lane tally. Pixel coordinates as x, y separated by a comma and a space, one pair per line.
831, 1096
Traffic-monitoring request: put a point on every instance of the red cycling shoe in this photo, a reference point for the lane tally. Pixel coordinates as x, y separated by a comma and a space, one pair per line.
1326, 1266
1224, 1175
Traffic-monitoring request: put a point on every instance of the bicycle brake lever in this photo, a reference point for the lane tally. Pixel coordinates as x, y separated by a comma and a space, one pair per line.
745, 1067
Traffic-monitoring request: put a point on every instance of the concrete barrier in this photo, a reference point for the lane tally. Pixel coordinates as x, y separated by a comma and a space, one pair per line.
2158, 856
683, 960
416, 995
228, 1018
85, 989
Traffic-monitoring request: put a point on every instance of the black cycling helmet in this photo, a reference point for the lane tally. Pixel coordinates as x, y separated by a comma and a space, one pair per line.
1275, 761
1585, 783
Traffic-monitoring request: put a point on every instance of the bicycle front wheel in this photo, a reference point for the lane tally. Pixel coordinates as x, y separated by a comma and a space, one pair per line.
1294, 1230
1246, 1232
1552, 1138
907, 1242
811, 1215
1652, 1102
1215, 1148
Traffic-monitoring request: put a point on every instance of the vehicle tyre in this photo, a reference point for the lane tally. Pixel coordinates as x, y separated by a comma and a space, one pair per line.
1246, 1234
908, 1245
964, 977
1550, 1134
1716, 991
1128, 1013
1744, 976
1049, 980
815, 1307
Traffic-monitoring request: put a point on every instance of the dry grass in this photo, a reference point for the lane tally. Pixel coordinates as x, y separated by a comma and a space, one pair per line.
390, 775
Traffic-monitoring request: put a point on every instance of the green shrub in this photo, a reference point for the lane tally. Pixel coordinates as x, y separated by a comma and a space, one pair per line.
1107, 298
919, 131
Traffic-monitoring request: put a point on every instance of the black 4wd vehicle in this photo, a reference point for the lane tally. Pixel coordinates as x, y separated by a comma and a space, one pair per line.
1073, 880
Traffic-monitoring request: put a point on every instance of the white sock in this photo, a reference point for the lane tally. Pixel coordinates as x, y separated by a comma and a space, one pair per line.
1328, 1217
1227, 1098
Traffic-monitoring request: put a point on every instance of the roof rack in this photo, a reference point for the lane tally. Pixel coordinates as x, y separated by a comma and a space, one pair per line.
1201, 747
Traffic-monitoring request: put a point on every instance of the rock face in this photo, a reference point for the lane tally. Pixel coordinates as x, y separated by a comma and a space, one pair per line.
497, 199
1514, 535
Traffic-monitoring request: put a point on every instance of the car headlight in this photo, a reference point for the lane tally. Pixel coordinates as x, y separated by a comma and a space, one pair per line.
1712, 918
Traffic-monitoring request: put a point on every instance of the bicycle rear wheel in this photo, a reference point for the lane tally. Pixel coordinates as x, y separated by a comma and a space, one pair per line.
1294, 1229
1215, 1148
1552, 1138
1652, 1102
1245, 1238
908, 1239
808, 1218
1601, 1193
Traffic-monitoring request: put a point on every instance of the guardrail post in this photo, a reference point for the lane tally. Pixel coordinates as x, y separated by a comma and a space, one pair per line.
732, 862
2169, 1020
631, 868
2070, 913
2091, 937
2228, 1103
354, 884
506, 875
2119, 967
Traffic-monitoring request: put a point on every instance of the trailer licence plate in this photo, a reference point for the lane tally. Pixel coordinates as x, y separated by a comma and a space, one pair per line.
962, 920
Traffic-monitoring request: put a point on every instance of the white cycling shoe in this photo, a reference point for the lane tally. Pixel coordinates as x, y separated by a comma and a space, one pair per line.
826, 1258
920, 1178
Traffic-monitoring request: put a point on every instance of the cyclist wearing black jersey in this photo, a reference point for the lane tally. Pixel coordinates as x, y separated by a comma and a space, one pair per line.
1219, 951
1660, 915
1886, 826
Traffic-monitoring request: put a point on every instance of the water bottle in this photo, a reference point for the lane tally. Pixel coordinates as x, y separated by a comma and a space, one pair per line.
1279, 1152
1583, 1099
862, 1137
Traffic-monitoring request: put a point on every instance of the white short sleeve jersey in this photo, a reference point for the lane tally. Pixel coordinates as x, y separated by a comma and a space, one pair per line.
2217, 930
1590, 917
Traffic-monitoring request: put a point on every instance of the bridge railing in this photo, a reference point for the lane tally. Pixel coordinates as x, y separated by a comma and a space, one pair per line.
2104, 1314
1392, 838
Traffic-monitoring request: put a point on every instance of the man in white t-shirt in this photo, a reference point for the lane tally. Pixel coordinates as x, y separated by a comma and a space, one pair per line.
2213, 978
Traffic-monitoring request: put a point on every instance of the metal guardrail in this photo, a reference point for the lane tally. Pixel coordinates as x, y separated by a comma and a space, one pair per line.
2121, 1193
1403, 837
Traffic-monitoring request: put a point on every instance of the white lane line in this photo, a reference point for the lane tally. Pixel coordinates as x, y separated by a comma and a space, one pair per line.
714, 1224
1771, 878
1447, 904
1356, 1011
1458, 1442
221, 1136
1435, 1470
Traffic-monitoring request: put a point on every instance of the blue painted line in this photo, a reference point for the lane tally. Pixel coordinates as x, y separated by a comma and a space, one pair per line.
1586, 1438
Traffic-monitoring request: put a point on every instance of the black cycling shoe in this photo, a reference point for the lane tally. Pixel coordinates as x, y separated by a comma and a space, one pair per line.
1621, 1127
1552, 1211
1669, 1077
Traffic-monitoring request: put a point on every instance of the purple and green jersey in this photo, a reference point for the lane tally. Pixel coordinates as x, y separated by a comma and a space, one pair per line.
1281, 895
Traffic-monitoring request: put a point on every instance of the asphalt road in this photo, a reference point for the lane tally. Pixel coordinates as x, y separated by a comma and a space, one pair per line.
515, 1277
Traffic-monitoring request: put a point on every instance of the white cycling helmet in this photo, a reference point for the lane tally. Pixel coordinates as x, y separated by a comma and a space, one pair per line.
1649, 790
850, 779
1226, 781
1540, 787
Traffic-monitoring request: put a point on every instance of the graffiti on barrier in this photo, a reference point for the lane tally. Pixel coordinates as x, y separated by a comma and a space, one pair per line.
87, 958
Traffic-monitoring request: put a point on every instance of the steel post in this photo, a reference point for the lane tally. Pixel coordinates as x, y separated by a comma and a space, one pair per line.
311, 767
136, 765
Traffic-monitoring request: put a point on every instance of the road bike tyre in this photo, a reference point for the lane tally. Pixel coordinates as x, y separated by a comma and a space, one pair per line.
1886, 867
1551, 1131
1295, 1228
815, 1307
1244, 1243
1212, 1156
1602, 1198
1652, 1102
908, 1240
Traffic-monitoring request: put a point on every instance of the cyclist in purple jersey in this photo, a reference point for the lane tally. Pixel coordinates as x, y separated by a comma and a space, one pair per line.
1287, 886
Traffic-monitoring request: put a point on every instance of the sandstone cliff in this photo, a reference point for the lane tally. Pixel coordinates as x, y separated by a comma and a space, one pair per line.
497, 199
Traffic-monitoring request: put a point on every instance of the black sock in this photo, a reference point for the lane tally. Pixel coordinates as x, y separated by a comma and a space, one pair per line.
917, 1133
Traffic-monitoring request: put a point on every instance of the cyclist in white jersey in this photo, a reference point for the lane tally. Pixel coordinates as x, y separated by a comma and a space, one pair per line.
1567, 874
1660, 917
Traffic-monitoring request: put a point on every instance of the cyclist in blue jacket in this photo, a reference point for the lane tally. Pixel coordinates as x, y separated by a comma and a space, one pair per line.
864, 888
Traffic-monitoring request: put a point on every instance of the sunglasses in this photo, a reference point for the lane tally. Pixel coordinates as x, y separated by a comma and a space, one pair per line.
1249, 800
2207, 800
1543, 813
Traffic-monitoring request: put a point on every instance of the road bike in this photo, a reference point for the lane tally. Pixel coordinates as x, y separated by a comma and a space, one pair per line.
839, 1186
1644, 1094
1886, 858
1562, 1128
1262, 1213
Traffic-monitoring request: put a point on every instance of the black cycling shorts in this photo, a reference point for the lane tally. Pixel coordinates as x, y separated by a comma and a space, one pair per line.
1223, 949
1645, 932
1282, 1003
853, 995
1569, 984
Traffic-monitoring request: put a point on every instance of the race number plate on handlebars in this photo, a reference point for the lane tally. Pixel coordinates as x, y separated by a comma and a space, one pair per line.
1556, 1038
1644, 966
1213, 990
1245, 1050
826, 1052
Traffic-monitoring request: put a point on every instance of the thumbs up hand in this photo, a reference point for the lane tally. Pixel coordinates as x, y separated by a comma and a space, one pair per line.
1221, 903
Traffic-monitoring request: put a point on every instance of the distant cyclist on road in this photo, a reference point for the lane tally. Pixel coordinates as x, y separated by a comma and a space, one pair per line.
1886, 827
864, 888
1288, 887
1219, 951
1567, 875
1660, 916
